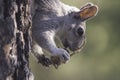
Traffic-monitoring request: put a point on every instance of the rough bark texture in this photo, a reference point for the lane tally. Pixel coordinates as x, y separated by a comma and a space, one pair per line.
15, 40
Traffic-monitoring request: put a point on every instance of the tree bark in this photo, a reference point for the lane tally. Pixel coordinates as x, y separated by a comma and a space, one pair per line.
15, 39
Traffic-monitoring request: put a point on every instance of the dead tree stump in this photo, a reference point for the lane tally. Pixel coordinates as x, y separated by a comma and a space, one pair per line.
15, 39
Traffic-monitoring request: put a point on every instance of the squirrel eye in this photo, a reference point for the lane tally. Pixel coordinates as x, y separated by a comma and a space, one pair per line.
80, 31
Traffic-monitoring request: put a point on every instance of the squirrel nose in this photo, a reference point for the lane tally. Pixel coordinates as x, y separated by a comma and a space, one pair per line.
80, 31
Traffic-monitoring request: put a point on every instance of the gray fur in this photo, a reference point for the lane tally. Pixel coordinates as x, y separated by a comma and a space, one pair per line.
52, 18
1, 9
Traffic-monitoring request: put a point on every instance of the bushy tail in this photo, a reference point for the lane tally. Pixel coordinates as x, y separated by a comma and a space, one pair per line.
48, 4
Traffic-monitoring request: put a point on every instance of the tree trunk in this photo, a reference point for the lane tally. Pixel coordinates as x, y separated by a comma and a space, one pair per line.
15, 24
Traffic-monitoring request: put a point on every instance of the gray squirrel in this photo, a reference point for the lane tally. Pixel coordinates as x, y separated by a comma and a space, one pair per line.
52, 18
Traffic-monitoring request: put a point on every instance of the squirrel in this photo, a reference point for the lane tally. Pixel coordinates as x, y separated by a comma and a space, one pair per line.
52, 18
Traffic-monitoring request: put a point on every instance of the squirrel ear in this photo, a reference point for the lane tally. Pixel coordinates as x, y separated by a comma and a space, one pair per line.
87, 12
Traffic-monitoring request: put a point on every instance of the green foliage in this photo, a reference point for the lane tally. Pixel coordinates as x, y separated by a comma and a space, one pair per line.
99, 60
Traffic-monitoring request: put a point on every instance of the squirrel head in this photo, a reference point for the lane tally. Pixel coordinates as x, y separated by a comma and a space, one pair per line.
75, 26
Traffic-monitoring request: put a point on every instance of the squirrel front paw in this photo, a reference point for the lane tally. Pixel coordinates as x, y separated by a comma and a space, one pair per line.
62, 55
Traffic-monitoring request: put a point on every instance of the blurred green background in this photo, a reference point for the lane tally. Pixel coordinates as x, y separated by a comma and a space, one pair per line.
100, 58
